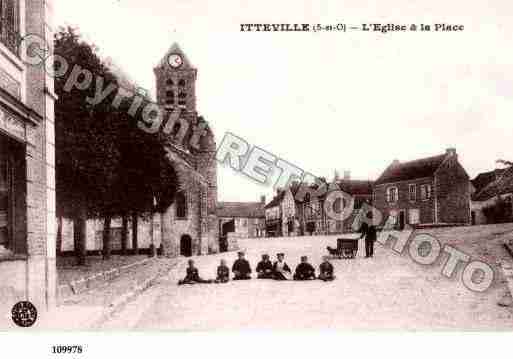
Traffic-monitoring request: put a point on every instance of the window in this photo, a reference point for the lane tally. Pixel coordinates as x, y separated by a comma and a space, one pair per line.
169, 82
414, 216
13, 211
182, 95
425, 192
181, 205
413, 192
181, 83
10, 24
392, 194
5, 198
170, 94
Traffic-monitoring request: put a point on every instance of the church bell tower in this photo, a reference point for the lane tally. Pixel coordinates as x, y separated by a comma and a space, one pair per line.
176, 82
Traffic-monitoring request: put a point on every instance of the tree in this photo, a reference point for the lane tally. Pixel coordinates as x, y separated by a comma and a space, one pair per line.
85, 135
106, 166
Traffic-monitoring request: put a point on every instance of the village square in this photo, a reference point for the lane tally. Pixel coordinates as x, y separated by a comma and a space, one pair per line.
112, 218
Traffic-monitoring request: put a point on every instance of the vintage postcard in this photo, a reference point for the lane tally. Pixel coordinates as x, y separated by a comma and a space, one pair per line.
180, 166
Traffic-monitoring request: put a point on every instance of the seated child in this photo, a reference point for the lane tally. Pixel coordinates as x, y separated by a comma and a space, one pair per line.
304, 270
223, 273
192, 275
326, 270
241, 268
265, 268
281, 270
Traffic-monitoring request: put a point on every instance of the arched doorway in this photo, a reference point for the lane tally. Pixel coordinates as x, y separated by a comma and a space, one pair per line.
186, 245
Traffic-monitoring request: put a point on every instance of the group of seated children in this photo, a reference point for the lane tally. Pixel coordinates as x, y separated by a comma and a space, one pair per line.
265, 269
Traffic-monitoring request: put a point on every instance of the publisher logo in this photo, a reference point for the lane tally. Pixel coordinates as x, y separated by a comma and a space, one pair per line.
24, 314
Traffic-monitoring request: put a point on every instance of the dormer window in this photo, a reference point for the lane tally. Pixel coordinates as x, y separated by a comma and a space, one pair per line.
10, 24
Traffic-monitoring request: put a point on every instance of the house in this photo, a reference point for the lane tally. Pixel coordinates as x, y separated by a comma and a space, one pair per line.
241, 220
492, 201
361, 191
273, 215
428, 191
27, 156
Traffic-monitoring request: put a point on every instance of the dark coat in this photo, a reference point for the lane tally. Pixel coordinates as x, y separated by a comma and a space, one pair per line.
242, 266
264, 266
223, 272
192, 274
305, 270
369, 232
326, 269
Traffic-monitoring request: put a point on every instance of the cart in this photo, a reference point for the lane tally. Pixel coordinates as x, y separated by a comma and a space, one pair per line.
347, 248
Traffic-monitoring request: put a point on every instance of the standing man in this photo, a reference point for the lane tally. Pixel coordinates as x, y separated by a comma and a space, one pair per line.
369, 232
241, 268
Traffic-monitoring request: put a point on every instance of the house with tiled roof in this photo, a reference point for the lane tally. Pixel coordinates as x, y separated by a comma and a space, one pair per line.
484, 179
362, 192
492, 201
273, 215
241, 220
429, 191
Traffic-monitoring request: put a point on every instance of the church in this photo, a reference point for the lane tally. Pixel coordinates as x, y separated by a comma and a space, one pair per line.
189, 225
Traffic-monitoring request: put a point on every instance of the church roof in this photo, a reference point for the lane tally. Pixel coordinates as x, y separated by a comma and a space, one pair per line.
175, 49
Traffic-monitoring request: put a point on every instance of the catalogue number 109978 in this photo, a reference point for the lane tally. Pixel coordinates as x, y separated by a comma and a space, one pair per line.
67, 349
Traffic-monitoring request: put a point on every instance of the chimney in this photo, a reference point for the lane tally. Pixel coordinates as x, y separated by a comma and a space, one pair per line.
451, 152
347, 175
396, 162
262, 199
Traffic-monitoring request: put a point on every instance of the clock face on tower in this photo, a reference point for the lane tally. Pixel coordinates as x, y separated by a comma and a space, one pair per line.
175, 60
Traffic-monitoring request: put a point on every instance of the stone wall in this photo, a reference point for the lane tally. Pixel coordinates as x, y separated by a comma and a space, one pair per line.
426, 207
453, 193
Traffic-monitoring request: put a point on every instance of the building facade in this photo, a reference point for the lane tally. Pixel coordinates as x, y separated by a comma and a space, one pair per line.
273, 216
240, 220
27, 156
189, 225
429, 191
492, 200
361, 193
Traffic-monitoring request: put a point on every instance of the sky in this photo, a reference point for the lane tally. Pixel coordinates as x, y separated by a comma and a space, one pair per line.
326, 101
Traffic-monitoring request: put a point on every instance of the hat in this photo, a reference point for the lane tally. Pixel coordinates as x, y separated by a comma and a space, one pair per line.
280, 255
241, 253
265, 255
304, 258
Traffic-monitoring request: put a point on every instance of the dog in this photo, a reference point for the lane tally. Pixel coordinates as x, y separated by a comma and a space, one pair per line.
332, 251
